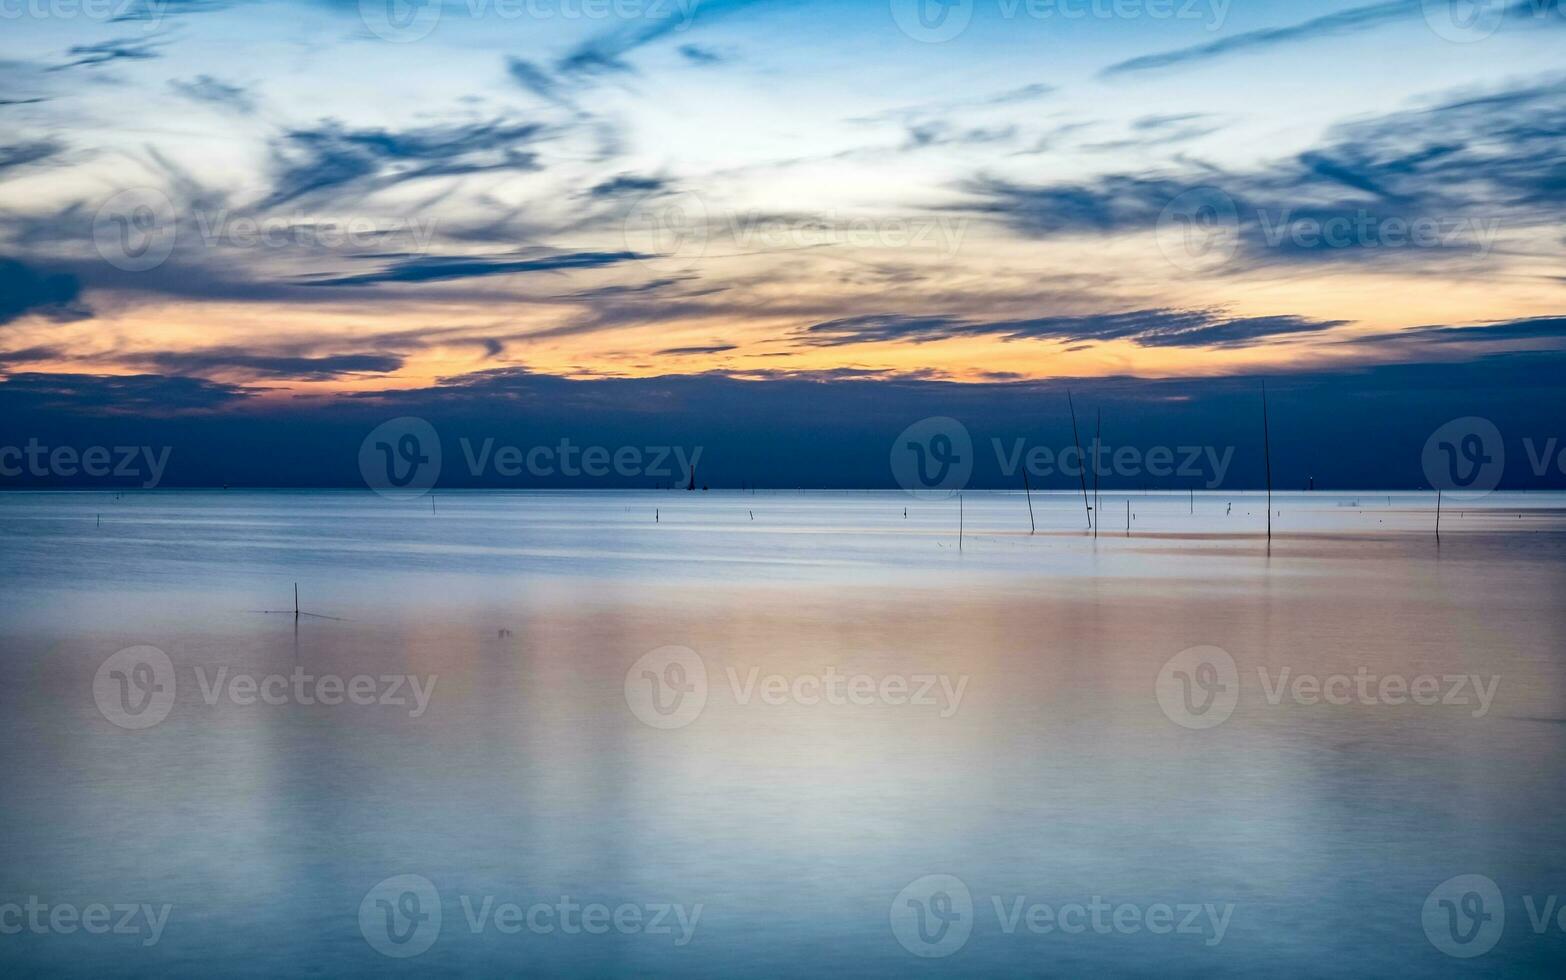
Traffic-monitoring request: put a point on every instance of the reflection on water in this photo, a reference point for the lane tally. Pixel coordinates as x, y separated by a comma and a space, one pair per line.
777, 734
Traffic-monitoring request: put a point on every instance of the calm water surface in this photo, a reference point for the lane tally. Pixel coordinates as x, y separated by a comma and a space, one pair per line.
782, 734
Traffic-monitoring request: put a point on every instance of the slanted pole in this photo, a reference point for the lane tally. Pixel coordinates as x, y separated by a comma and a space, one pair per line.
1081, 470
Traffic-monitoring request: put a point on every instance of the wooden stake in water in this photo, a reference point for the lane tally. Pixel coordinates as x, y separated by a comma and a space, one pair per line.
1029, 492
1438, 516
1098, 434
1267, 457
1128, 518
1081, 470
296, 600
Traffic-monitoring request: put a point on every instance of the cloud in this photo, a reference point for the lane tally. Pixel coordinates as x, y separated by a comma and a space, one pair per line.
532, 78
21, 154
139, 395
205, 88
605, 53
32, 354
436, 268
156, 10
1411, 187
1145, 328
26, 291
684, 351
1550, 331
1351, 21
229, 360
943, 134
1109, 203
109, 52
1340, 22
698, 55
1011, 96
1355, 429
627, 184
333, 157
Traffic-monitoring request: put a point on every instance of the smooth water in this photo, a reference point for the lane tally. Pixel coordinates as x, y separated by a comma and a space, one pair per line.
781, 734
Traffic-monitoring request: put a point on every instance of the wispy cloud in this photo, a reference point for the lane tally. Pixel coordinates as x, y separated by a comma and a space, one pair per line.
110, 52
1145, 328
1464, 170
205, 88
22, 154
1340, 22
245, 364
333, 157
437, 268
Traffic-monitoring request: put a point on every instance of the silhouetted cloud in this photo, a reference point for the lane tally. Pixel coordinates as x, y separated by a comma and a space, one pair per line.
1145, 328
229, 360
1548, 329
24, 291
435, 268
32, 354
1356, 427
709, 349
141, 395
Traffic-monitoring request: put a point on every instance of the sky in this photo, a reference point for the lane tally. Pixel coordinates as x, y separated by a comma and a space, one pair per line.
219, 214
